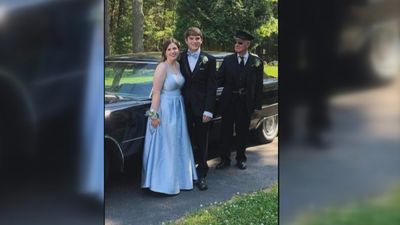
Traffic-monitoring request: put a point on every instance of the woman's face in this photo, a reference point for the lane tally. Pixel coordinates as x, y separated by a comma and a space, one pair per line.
172, 51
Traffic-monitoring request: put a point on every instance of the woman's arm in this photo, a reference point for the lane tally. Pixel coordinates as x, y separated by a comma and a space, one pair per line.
158, 82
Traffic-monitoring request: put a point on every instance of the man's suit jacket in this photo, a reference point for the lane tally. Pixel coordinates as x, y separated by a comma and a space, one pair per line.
230, 70
199, 90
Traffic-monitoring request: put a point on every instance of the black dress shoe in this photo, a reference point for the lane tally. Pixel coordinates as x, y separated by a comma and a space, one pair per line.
202, 184
241, 165
223, 164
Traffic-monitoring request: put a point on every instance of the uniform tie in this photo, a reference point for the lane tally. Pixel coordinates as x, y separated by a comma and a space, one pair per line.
241, 62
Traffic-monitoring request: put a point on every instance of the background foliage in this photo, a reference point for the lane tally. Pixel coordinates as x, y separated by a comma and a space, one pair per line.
120, 12
218, 19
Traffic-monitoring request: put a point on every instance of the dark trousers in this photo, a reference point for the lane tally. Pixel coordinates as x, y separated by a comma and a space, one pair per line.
198, 132
235, 116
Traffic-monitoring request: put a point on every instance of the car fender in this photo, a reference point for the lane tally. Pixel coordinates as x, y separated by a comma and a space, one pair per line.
113, 149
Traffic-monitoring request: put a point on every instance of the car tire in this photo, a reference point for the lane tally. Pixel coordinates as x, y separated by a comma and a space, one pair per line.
267, 130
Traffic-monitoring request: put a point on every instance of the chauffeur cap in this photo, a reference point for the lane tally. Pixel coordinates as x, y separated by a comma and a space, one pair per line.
243, 35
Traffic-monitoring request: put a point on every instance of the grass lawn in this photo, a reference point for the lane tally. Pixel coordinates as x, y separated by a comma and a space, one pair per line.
377, 211
271, 70
148, 76
259, 207
129, 76
129, 80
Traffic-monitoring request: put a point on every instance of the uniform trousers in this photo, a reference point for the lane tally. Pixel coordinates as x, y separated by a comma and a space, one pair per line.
235, 118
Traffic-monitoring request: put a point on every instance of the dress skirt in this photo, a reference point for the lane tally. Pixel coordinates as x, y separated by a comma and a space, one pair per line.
168, 163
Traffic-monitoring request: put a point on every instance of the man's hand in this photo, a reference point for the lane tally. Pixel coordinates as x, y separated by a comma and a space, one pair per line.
155, 122
206, 119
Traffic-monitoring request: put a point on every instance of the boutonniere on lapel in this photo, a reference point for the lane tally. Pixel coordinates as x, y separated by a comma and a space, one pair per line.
257, 62
204, 60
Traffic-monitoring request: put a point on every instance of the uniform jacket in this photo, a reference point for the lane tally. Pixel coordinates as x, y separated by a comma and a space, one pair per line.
230, 69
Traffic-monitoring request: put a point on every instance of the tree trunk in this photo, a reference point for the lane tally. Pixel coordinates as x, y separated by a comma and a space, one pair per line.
138, 20
107, 29
112, 17
121, 13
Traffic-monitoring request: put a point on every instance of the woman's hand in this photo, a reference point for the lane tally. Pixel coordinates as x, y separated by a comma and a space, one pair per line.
155, 122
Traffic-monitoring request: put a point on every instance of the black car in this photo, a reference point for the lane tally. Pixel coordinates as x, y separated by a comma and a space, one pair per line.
128, 83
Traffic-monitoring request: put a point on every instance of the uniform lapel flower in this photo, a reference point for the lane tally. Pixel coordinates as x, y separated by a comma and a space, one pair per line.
257, 63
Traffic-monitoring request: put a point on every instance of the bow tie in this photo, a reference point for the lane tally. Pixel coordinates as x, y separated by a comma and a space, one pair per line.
194, 55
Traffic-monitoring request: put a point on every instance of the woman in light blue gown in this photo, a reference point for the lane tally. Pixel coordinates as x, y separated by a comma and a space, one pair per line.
168, 164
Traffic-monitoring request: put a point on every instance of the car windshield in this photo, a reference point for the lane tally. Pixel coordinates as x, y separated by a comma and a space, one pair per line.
129, 80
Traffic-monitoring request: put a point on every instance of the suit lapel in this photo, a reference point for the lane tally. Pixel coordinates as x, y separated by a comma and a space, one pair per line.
235, 66
248, 63
186, 64
196, 67
236, 63
247, 69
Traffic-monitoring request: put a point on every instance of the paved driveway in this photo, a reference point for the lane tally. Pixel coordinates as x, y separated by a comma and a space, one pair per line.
363, 161
126, 203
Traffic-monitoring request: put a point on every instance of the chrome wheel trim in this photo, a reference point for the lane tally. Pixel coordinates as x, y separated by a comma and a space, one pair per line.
269, 126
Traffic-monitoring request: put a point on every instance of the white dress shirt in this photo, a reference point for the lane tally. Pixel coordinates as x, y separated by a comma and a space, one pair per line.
246, 56
193, 60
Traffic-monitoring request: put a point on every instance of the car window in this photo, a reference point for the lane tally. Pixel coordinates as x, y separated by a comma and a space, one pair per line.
129, 79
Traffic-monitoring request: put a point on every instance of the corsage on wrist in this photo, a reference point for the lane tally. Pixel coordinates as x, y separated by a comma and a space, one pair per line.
152, 114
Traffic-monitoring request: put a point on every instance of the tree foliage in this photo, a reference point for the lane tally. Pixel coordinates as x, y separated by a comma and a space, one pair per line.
218, 19
120, 39
159, 22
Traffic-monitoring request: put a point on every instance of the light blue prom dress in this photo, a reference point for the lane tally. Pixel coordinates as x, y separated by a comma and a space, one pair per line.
168, 164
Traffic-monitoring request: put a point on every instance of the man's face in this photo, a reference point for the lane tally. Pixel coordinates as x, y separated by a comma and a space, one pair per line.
241, 45
193, 42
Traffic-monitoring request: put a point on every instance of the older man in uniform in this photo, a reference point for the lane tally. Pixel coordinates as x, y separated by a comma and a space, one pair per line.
241, 75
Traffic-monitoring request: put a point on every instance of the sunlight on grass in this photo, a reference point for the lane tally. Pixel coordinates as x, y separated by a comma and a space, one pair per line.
128, 80
377, 211
128, 76
259, 207
271, 70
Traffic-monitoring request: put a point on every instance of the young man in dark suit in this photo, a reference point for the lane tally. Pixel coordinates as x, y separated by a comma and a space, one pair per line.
241, 75
199, 92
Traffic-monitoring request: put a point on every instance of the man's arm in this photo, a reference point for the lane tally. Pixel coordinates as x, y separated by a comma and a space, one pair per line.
211, 87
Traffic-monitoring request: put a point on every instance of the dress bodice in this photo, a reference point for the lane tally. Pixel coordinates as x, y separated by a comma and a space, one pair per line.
173, 80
